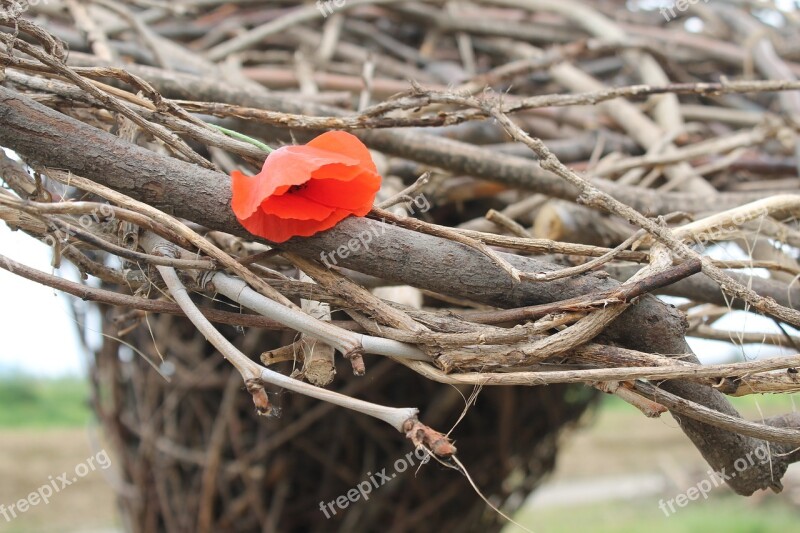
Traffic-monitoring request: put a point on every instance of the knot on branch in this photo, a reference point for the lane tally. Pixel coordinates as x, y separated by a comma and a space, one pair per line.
356, 358
728, 385
422, 435
260, 398
589, 197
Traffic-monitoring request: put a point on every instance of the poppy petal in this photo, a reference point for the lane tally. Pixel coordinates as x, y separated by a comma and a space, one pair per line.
293, 205
357, 193
346, 144
338, 178
277, 229
286, 166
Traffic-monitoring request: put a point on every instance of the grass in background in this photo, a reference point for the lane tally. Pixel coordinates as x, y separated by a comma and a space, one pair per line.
33, 403
749, 406
730, 514
722, 511
769, 404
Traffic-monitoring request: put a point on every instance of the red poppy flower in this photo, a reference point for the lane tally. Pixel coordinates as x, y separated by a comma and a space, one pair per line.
302, 190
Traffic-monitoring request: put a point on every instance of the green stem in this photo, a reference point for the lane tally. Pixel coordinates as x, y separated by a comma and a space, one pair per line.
242, 137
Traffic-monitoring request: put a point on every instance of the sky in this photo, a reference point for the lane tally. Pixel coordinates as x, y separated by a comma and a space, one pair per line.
37, 333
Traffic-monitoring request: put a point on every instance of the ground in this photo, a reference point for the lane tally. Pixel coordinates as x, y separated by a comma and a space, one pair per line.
29, 456
615, 470
612, 473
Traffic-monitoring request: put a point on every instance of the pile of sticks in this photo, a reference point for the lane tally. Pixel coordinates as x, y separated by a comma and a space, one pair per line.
559, 170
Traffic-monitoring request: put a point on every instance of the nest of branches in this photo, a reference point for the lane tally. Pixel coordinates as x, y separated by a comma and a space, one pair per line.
548, 172
198, 459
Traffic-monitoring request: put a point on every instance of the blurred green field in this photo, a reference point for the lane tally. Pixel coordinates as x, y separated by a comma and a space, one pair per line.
47, 427
748, 405
38, 403
726, 514
616, 442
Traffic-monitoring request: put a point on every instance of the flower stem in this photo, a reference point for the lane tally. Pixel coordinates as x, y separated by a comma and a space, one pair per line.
243, 137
